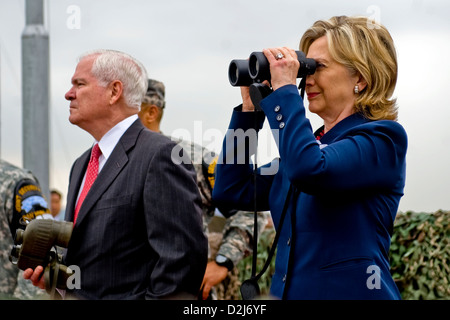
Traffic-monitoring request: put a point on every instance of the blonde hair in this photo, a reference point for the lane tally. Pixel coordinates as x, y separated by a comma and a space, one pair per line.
367, 48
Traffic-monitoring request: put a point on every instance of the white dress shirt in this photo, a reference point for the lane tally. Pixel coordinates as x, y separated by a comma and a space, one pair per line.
108, 142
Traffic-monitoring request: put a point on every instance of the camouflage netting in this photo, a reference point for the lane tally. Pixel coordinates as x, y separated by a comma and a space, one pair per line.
420, 255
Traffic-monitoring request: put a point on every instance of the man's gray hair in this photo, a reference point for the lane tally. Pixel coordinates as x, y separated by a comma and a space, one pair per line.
110, 65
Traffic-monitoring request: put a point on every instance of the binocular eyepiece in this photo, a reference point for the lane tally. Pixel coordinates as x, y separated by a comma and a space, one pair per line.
243, 73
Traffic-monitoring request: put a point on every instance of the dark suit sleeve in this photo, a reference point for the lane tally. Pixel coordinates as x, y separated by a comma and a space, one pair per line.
174, 227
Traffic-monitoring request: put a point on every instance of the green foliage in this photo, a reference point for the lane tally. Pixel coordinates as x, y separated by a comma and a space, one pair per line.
420, 255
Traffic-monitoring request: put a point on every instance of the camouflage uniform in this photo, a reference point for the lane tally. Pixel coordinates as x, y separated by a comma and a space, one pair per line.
20, 198
234, 241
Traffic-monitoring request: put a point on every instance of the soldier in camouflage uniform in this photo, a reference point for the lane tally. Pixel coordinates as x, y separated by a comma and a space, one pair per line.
21, 199
231, 244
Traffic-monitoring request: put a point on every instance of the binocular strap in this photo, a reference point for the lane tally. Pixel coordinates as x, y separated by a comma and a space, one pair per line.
51, 278
250, 288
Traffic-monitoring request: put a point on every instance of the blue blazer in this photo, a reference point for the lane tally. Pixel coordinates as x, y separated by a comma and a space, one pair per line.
335, 239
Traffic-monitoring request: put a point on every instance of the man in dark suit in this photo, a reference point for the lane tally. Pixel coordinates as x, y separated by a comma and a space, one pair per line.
138, 232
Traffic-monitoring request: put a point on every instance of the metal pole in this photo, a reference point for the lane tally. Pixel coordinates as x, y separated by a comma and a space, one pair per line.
35, 93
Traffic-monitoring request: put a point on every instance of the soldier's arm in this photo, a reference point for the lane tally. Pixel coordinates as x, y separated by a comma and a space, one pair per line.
237, 240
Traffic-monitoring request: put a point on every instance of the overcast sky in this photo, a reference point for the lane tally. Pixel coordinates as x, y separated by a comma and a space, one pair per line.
188, 45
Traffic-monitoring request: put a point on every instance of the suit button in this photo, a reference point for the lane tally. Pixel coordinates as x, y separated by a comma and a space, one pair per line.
281, 125
277, 108
279, 117
284, 278
288, 242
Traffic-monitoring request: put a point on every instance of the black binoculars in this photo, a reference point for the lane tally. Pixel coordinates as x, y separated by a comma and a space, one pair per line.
251, 72
243, 73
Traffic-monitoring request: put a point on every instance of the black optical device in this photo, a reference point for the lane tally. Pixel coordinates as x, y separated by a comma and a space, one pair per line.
251, 72
37, 245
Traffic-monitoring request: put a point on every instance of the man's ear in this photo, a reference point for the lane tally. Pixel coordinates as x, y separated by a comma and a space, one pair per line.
150, 117
116, 91
152, 112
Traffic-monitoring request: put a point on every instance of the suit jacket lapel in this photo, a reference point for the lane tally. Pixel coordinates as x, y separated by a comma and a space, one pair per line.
115, 164
342, 127
76, 177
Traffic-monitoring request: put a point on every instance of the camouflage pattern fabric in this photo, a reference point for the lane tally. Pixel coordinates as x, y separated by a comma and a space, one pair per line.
237, 234
27, 197
155, 93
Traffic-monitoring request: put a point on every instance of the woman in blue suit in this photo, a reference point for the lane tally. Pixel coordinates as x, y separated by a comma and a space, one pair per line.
341, 185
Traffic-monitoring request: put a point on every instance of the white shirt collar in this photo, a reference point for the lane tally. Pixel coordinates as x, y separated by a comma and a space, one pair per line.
109, 141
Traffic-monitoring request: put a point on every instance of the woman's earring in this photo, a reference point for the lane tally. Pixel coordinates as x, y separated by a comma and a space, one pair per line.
356, 90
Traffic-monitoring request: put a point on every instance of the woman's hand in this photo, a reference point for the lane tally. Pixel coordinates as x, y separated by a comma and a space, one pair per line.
247, 104
284, 70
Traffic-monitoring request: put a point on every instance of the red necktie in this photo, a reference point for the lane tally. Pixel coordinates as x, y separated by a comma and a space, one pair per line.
91, 175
